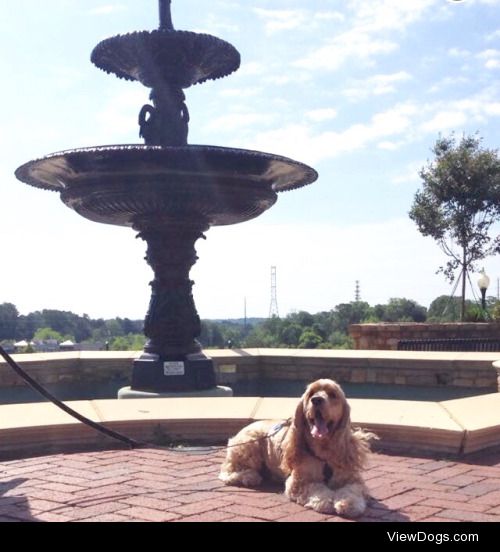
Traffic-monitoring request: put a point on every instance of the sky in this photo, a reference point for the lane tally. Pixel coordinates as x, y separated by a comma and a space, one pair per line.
358, 89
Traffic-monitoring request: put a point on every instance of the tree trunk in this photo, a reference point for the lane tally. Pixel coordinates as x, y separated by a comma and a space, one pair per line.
464, 279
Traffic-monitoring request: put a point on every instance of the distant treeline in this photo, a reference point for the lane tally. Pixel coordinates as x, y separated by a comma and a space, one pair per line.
15, 326
328, 329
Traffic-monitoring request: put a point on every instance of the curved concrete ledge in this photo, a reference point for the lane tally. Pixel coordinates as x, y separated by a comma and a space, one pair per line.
453, 427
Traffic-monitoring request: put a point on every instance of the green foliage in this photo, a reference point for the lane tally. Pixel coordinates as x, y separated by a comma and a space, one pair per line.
401, 310
45, 334
290, 333
218, 334
346, 314
475, 313
130, 342
445, 309
495, 311
338, 340
328, 329
309, 339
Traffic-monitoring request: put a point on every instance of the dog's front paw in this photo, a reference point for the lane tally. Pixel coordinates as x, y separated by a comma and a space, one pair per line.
319, 498
321, 505
350, 507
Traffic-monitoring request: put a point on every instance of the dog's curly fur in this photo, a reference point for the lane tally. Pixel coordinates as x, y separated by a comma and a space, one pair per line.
318, 454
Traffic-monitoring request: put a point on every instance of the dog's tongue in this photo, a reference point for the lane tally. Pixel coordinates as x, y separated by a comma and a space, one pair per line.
319, 429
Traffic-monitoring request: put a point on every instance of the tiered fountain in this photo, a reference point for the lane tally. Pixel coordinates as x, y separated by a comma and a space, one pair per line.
168, 191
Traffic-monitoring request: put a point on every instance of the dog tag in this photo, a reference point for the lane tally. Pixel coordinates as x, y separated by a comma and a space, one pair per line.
174, 369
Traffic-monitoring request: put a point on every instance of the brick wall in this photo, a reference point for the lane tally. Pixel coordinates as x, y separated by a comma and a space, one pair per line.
385, 336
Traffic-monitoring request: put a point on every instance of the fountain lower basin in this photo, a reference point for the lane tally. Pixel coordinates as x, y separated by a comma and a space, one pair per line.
118, 184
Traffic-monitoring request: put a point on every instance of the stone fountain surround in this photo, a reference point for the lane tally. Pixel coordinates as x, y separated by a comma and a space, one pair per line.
454, 427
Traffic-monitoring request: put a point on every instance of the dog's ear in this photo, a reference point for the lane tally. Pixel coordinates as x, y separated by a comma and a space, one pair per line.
299, 419
293, 444
345, 421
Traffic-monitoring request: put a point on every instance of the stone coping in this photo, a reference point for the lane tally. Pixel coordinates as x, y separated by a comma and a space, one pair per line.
455, 427
448, 356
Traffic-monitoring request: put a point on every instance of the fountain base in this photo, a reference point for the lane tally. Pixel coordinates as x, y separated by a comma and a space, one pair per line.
152, 373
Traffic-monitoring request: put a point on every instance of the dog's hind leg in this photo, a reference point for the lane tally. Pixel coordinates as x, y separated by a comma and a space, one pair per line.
242, 465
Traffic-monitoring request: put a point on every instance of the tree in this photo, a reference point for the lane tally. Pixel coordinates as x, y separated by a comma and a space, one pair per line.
459, 202
401, 310
46, 334
346, 314
309, 339
8, 321
445, 309
290, 334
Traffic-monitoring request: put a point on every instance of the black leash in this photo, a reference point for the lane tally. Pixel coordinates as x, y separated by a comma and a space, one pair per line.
132, 443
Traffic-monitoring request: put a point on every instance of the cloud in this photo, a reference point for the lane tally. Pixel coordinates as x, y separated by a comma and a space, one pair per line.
288, 20
445, 120
376, 85
64, 78
491, 58
238, 122
292, 78
385, 15
495, 35
329, 16
389, 145
458, 52
370, 31
447, 82
352, 44
115, 122
251, 69
106, 9
281, 20
485, 2
390, 129
409, 175
455, 115
321, 115
301, 142
247, 92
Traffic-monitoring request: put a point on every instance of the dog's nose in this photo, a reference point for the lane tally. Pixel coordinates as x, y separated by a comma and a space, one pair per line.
317, 401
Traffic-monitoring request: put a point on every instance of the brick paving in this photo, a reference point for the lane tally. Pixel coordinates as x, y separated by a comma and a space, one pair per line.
156, 486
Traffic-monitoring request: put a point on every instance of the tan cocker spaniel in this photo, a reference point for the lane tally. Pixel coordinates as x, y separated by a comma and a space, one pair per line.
317, 453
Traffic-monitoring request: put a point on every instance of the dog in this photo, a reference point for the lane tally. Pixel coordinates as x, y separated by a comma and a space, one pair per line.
316, 453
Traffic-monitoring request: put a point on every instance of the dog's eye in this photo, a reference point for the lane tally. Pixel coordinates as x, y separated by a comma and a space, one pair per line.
332, 395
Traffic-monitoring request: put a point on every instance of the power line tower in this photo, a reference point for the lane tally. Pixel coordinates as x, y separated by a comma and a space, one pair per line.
273, 309
357, 293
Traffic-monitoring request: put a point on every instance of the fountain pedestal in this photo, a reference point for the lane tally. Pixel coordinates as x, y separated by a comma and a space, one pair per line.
172, 359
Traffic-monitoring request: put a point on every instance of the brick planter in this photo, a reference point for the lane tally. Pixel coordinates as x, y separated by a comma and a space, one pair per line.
385, 336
